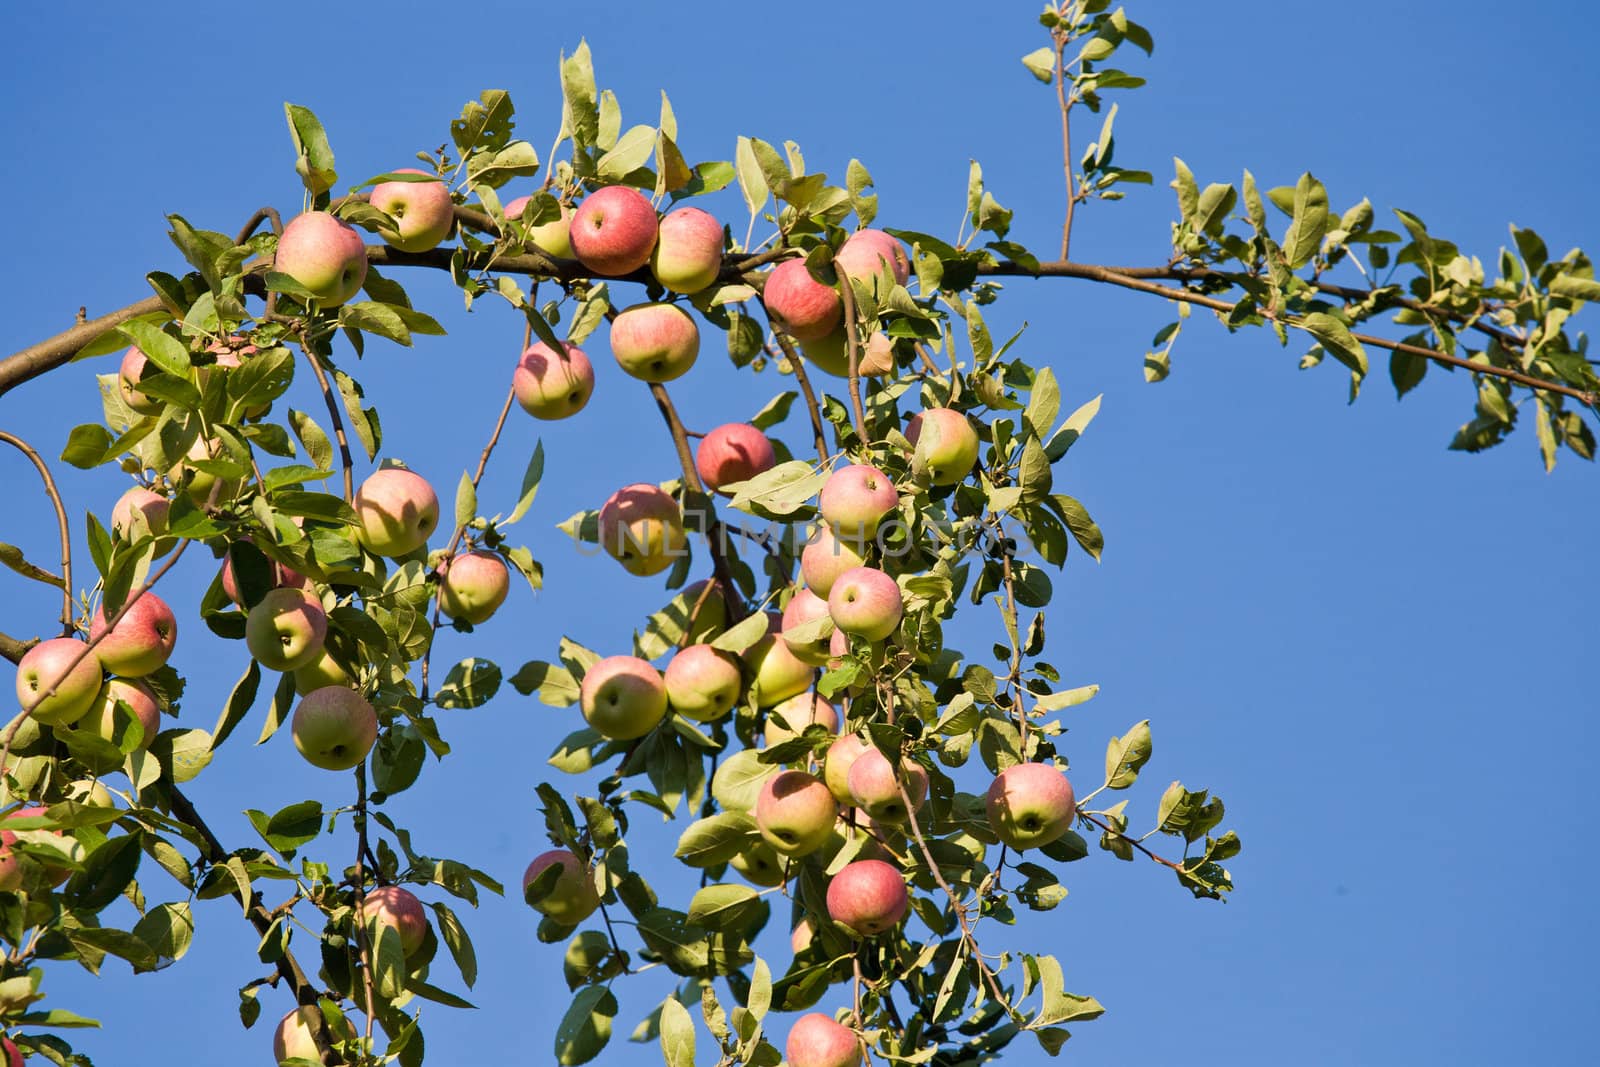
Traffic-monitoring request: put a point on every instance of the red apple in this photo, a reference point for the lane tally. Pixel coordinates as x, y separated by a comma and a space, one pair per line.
59, 663
855, 499
334, 728
320, 672
825, 557
422, 212
868, 897
136, 508
688, 253
733, 452
641, 528
101, 721
795, 813
13, 1056
803, 608
294, 1038
703, 683
866, 602
14, 866
866, 252
945, 446
1030, 805
655, 342
283, 577
623, 697
549, 386
796, 714
876, 790
574, 897
474, 586
325, 255
397, 510
141, 641
133, 367
842, 755
803, 306
398, 908
815, 1040
614, 230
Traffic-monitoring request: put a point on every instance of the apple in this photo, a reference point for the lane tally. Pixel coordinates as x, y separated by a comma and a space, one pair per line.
334, 728
101, 720
703, 683
825, 557
396, 510
806, 607
14, 866
796, 714
422, 212
1031, 805
286, 630
623, 697
642, 529
815, 1040
62, 664
283, 577
13, 1056
141, 641
295, 1037
866, 252
944, 446
614, 230
655, 342
842, 755
320, 672
800, 938
733, 452
688, 255
795, 813
573, 899
867, 897
866, 602
779, 674
399, 909
554, 237
760, 865
838, 648
551, 386
200, 484
708, 616
806, 309
474, 586
876, 790
832, 354
855, 499
325, 255
134, 366
137, 510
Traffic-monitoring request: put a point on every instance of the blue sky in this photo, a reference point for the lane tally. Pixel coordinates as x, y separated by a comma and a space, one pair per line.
1371, 647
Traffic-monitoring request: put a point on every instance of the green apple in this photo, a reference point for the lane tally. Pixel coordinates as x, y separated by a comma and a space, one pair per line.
286, 630
102, 719
816, 1040
551, 386
944, 446
804, 609
334, 728
788, 719
322, 671
875, 787
325, 255
295, 1037
655, 342
422, 212
842, 755
826, 556
760, 865
777, 672
573, 897
855, 499
688, 253
703, 683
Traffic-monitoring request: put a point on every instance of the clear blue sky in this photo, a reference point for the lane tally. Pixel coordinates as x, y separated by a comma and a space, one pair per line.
1373, 648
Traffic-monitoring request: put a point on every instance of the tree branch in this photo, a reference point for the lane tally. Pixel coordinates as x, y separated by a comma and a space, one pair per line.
852, 342
338, 421
1066, 137
810, 395
61, 524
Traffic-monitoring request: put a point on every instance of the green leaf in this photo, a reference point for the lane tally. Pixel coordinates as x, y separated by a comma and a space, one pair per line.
1335, 336
739, 779
632, 151
716, 839
1188, 191
677, 1034
1309, 224
783, 490
159, 347
1406, 371
87, 446
106, 872
752, 183
239, 704
1058, 1005
531, 477
313, 156
363, 422
312, 439
456, 940
1068, 698
1573, 287
1126, 755
581, 112
1041, 63
741, 637
720, 906
586, 1027
466, 500
470, 684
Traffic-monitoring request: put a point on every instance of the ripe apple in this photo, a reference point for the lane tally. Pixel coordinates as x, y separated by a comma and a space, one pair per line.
733, 452
708, 617
703, 683
655, 342
797, 713
551, 386
142, 640
815, 1040
855, 499
868, 897
872, 784
642, 529
944, 444
623, 697
1031, 805
139, 509
325, 255
825, 557
283, 577
14, 866
101, 720
760, 865
866, 602
842, 755
474, 586
573, 899
13, 1055
286, 630
613, 231
553, 237
422, 212
397, 509
334, 728
200, 484
779, 674
803, 306
46, 665
133, 367
838, 648
322, 671
295, 1036
865, 252
795, 813
832, 354
800, 938
399, 909
688, 254
806, 607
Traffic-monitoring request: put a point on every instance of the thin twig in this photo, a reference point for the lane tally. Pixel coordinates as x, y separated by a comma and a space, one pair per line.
1134, 841
263, 214
806, 391
363, 945
61, 525
338, 421
847, 293
1061, 37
